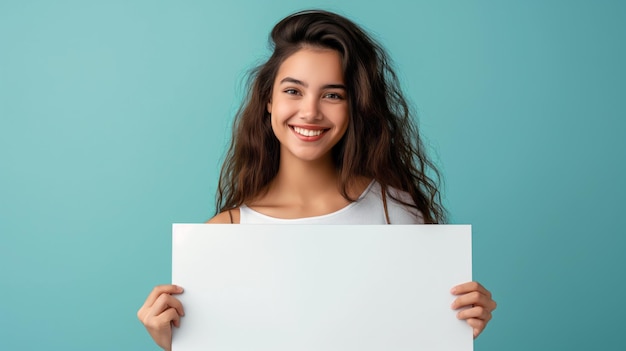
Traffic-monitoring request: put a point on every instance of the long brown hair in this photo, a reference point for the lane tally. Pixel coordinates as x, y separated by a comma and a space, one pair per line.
382, 141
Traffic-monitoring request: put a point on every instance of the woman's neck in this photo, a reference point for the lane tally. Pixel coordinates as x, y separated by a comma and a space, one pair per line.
305, 189
304, 180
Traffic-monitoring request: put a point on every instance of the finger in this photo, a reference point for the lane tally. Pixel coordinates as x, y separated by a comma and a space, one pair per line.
477, 325
163, 320
173, 316
164, 302
161, 289
472, 298
477, 312
469, 287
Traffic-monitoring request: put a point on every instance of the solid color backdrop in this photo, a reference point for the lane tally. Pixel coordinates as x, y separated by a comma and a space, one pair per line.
115, 115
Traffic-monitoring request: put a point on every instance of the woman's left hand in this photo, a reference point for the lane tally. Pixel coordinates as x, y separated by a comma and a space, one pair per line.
479, 305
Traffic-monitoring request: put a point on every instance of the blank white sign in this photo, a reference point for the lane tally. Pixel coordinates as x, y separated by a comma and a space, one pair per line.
320, 287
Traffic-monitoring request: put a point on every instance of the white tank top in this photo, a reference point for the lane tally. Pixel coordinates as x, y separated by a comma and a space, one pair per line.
367, 209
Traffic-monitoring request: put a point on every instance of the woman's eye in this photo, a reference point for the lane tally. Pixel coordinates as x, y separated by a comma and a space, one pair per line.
291, 91
334, 96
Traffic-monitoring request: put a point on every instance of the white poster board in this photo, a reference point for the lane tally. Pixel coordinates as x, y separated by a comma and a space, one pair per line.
320, 287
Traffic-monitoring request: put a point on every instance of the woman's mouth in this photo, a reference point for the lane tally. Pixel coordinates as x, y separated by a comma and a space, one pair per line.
309, 134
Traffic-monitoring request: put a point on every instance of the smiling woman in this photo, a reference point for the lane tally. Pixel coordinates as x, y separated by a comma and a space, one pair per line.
324, 137
308, 108
321, 64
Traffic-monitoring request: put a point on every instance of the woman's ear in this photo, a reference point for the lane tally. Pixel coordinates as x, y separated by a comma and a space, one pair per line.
269, 107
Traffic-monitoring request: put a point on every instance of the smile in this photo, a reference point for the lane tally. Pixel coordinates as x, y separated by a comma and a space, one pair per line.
308, 132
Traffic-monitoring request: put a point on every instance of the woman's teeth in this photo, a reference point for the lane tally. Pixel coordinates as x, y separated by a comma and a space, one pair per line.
308, 132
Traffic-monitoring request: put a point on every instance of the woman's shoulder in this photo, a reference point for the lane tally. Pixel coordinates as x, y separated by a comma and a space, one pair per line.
400, 205
226, 217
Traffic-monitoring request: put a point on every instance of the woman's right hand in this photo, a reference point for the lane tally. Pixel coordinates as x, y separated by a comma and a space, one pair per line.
160, 311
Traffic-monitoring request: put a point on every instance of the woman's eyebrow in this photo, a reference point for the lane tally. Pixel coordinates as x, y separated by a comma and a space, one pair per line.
294, 81
299, 82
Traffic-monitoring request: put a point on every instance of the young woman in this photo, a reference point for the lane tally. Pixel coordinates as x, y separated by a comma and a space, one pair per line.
325, 136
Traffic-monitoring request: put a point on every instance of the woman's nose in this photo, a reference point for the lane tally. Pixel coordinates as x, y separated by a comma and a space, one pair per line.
309, 109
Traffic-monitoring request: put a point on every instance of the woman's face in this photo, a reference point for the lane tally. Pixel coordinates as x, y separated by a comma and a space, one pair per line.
309, 106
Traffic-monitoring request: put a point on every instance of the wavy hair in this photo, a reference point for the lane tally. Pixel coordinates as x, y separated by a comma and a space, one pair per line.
382, 141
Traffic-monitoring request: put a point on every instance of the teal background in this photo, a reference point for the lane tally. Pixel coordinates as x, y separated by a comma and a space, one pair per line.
114, 116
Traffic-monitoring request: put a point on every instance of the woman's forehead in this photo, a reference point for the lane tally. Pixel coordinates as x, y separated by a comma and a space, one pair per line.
312, 66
